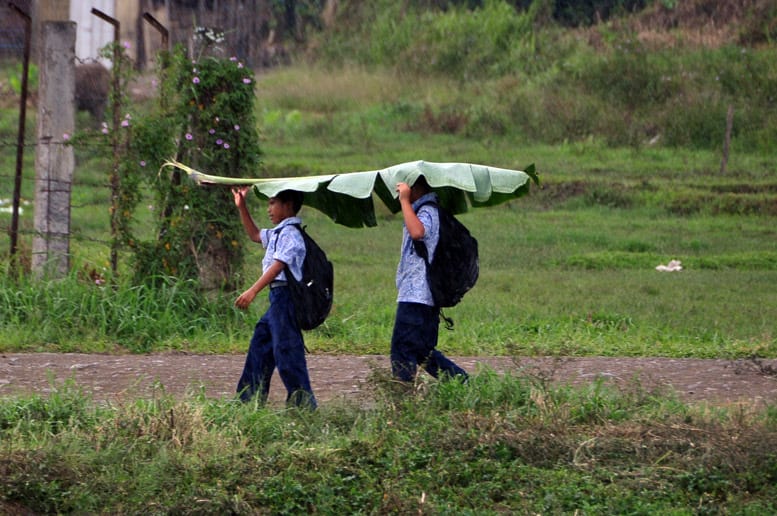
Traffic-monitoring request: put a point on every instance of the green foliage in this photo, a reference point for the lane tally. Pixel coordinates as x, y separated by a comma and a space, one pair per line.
203, 115
137, 318
487, 42
507, 442
206, 117
15, 78
630, 76
574, 13
518, 73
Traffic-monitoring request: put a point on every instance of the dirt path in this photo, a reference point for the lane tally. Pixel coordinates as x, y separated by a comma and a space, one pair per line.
116, 377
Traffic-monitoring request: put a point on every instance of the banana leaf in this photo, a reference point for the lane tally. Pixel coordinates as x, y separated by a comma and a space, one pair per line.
347, 198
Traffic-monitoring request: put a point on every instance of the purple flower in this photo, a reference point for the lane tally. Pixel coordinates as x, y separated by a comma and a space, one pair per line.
211, 131
196, 80
219, 141
189, 136
226, 145
233, 59
125, 123
126, 44
65, 136
240, 65
142, 163
246, 80
237, 127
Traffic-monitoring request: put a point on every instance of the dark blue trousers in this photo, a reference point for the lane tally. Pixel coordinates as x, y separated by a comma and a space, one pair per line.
414, 343
277, 342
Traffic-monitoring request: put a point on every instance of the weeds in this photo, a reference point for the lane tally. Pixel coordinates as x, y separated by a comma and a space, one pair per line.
506, 442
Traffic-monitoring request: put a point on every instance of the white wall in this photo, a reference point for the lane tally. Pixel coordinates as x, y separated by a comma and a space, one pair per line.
93, 33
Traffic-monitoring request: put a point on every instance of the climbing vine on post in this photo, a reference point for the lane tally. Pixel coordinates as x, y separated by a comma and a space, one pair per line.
205, 118
202, 115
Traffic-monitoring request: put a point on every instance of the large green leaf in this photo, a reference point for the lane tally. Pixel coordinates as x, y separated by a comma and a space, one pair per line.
347, 198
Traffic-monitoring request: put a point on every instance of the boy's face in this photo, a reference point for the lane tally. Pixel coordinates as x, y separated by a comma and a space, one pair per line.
417, 191
278, 210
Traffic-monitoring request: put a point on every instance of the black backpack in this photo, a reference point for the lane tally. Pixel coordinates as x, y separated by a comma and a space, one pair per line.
313, 295
455, 267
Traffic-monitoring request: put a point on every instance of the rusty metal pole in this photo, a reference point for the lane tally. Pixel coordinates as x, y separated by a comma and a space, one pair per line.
159, 27
176, 174
165, 45
115, 181
20, 138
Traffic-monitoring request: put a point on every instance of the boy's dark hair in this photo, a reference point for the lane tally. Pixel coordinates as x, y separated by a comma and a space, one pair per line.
422, 184
293, 196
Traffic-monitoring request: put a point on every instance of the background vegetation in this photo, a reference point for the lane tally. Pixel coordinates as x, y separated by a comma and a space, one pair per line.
567, 270
623, 113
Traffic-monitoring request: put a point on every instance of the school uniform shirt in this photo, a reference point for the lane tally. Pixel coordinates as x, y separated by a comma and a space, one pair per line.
412, 285
286, 245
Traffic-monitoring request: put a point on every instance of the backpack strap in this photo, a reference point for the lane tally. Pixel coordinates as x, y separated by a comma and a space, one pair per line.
420, 247
277, 232
289, 274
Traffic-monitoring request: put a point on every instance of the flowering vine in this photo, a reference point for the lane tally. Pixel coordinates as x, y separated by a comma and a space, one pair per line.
203, 115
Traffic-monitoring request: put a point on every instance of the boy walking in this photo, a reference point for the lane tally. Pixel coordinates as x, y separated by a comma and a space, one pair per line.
416, 326
277, 340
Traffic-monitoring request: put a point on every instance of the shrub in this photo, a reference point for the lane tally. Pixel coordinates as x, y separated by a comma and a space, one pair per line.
206, 117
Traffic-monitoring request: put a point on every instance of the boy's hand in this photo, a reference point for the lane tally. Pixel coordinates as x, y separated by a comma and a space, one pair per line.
239, 193
245, 299
404, 192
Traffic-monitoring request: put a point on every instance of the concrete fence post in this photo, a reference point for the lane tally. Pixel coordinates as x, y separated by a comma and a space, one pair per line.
54, 159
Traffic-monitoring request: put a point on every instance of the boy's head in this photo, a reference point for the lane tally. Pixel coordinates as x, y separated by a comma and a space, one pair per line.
419, 188
292, 196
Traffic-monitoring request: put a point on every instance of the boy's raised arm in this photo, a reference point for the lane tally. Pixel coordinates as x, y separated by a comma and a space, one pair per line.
414, 226
239, 193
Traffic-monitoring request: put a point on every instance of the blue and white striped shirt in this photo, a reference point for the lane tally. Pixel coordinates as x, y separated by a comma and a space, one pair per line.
285, 245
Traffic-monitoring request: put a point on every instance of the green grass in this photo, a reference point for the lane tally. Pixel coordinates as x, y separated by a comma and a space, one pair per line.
570, 269
499, 444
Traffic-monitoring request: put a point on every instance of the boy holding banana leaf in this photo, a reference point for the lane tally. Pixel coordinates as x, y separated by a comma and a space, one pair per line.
277, 340
416, 326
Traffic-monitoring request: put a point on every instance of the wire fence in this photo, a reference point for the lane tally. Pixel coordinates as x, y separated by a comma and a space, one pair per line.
93, 193
90, 198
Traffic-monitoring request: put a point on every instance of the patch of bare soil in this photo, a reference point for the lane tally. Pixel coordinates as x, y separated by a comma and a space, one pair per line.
122, 377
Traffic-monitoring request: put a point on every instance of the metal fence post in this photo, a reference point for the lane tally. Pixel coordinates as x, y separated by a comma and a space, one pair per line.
115, 180
20, 137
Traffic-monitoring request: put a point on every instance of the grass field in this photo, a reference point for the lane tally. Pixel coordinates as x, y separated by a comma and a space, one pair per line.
568, 270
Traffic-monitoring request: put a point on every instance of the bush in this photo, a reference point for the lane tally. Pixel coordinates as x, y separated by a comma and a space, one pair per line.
206, 118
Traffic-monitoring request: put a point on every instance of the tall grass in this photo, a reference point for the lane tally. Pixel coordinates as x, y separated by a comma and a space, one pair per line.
518, 73
578, 281
498, 444
80, 313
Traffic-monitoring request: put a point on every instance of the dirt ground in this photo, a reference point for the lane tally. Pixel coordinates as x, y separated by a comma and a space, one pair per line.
122, 377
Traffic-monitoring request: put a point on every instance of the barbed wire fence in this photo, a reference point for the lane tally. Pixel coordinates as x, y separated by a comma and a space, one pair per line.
89, 206
77, 206
257, 28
